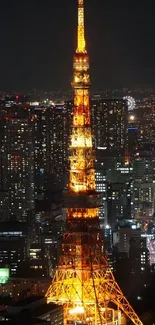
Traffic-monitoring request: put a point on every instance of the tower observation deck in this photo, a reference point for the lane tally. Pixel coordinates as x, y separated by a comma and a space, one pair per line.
83, 281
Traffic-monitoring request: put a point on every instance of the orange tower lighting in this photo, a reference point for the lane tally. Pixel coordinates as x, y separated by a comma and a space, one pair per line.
83, 281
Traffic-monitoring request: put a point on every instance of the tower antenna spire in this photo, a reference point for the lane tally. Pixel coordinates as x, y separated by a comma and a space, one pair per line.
81, 44
83, 281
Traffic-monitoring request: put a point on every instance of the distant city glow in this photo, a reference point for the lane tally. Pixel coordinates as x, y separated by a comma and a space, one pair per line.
34, 103
132, 117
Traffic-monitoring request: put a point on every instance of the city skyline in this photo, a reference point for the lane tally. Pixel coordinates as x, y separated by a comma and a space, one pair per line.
37, 43
77, 176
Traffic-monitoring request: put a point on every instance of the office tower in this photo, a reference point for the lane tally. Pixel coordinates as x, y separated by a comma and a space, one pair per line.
58, 148
41, 146
13, 239
101, 187
17, 160
124, 237
132, 241
50, 146
144, 115
69, 106
38, 260
108, 238
144, 184
150, 243
115, 185
139, 261
109, 121
133, 133
141, 126
83, 281
139, 255
119, 196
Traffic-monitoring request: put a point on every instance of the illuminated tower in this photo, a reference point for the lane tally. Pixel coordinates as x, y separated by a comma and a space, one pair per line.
83, 282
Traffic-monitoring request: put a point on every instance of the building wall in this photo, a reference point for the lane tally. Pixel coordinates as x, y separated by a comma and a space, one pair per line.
144, 185
109, 122
17, 161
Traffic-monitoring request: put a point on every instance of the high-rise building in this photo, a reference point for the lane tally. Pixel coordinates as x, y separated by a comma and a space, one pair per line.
150, 243
141, 126
133, 134
132, 241
50, 146
119, 195
38, 260
139, 255
109, 121
144, 184
124, 237
58, 147
41, 146
17, 160
144, 115
101, 187
13, 245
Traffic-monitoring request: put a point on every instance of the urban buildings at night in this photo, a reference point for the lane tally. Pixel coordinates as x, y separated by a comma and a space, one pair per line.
37, 133
17, 161
67, 166
109, 120
49, 145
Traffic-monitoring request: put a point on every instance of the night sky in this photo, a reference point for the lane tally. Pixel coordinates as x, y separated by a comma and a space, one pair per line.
38, 38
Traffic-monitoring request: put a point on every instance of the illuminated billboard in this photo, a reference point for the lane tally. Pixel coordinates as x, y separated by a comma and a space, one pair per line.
4, 275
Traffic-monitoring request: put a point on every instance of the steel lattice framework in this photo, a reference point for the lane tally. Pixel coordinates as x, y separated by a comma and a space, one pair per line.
83, 282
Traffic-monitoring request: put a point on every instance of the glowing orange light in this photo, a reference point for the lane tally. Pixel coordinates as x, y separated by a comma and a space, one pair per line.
81, 38
83, 282
82, 213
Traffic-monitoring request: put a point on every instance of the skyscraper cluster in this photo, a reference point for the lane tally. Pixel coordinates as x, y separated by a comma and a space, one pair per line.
35, 138
33, 174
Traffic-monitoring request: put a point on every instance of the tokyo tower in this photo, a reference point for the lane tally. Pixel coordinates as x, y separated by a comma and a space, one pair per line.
83, 281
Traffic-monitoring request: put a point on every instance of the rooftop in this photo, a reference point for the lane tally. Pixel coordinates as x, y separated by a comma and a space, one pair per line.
25, 321
43, 309
28, 300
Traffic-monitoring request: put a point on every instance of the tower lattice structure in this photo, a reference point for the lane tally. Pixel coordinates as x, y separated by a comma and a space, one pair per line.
83, 281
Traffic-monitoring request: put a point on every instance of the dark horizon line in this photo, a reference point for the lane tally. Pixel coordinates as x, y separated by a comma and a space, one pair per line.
24, 90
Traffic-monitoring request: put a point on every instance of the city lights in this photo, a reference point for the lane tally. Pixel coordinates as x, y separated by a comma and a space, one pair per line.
132, 117
77, 164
